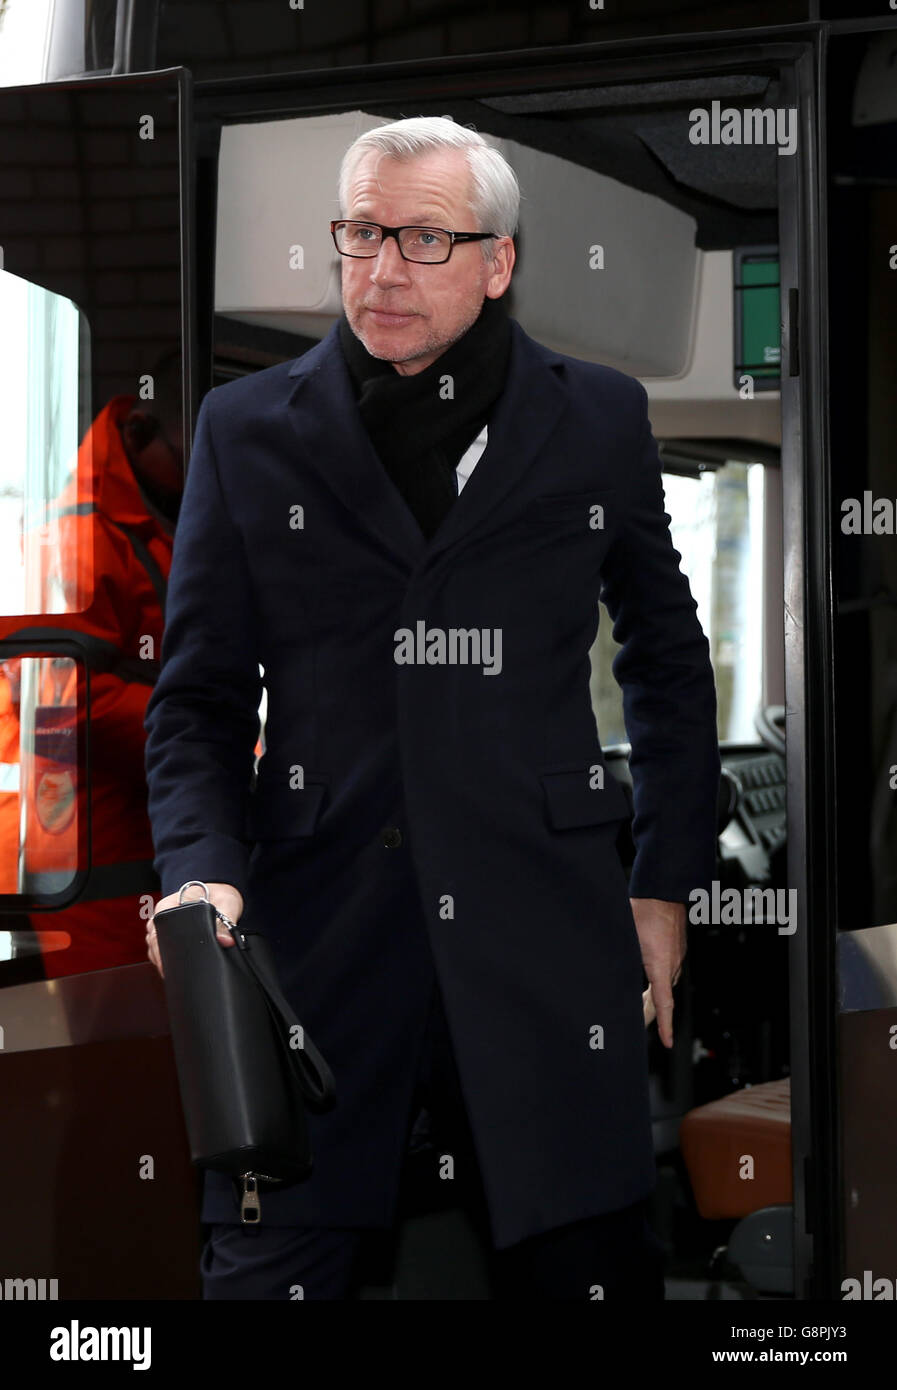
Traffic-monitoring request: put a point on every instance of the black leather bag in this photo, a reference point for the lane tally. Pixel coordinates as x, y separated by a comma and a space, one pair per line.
246, 1067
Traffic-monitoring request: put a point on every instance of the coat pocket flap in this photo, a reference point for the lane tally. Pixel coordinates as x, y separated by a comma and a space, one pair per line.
282, 813
572, 800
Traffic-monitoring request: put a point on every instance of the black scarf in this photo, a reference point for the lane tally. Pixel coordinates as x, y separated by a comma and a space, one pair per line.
419, 434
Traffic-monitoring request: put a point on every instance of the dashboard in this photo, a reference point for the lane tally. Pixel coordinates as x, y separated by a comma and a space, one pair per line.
752, 812
753, 829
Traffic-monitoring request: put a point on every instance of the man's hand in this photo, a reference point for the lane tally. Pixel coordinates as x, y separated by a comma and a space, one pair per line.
229, 900
662, 939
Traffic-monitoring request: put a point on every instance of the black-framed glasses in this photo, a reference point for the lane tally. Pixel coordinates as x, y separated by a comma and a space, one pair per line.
432, 245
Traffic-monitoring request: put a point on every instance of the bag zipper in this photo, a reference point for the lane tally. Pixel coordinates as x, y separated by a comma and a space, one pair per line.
250, 1200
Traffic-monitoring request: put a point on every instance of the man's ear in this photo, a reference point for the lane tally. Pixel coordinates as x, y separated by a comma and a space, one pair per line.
502, 266
138, 430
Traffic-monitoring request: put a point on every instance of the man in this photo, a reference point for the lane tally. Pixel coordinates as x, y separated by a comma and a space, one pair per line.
409, 528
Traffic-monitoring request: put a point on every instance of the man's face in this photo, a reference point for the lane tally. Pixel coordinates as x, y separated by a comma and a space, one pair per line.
405, 312
159, 460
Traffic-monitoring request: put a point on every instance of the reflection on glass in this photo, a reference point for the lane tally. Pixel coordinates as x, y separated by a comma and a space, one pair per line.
24, 26
113, 537
38, 774
39, 361
91, 474
716, 522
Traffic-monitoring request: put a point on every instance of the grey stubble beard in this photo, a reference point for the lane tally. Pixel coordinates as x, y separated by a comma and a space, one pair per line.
431, 348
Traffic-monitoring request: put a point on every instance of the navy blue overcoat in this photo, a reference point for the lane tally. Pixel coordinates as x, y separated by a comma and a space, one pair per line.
295, 552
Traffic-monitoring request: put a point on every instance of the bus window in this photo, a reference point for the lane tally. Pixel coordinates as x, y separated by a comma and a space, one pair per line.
39, 403
716, 520
92, 395
39, 800
24, 29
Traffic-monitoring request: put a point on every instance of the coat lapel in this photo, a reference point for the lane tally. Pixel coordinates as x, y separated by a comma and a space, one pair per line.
527, 412
329, 428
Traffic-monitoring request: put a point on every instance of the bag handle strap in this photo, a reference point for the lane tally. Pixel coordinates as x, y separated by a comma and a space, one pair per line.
312, 1073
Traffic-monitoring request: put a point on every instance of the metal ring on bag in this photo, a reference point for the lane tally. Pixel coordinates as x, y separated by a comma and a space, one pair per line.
193, 882
231, 926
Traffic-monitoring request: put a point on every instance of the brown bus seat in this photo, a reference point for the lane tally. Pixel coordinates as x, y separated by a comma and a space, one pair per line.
717, 1139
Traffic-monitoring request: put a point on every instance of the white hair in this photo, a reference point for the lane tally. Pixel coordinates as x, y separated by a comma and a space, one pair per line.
495, 193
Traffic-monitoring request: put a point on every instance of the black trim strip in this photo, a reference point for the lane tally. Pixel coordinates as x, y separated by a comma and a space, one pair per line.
99, 654
120, 880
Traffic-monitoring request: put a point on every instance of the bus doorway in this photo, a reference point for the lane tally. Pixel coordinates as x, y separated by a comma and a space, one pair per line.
696, 269
679, 269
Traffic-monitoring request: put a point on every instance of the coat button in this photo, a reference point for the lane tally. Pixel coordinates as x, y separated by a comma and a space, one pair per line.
392, 837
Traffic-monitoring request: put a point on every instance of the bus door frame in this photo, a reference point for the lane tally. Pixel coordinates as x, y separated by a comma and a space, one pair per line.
796, 53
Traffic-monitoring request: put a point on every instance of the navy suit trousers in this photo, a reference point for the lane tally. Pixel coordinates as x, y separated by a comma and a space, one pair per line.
612, 1256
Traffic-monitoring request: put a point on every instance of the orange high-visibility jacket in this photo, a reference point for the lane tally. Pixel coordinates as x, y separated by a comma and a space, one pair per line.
111, 556
9, 784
